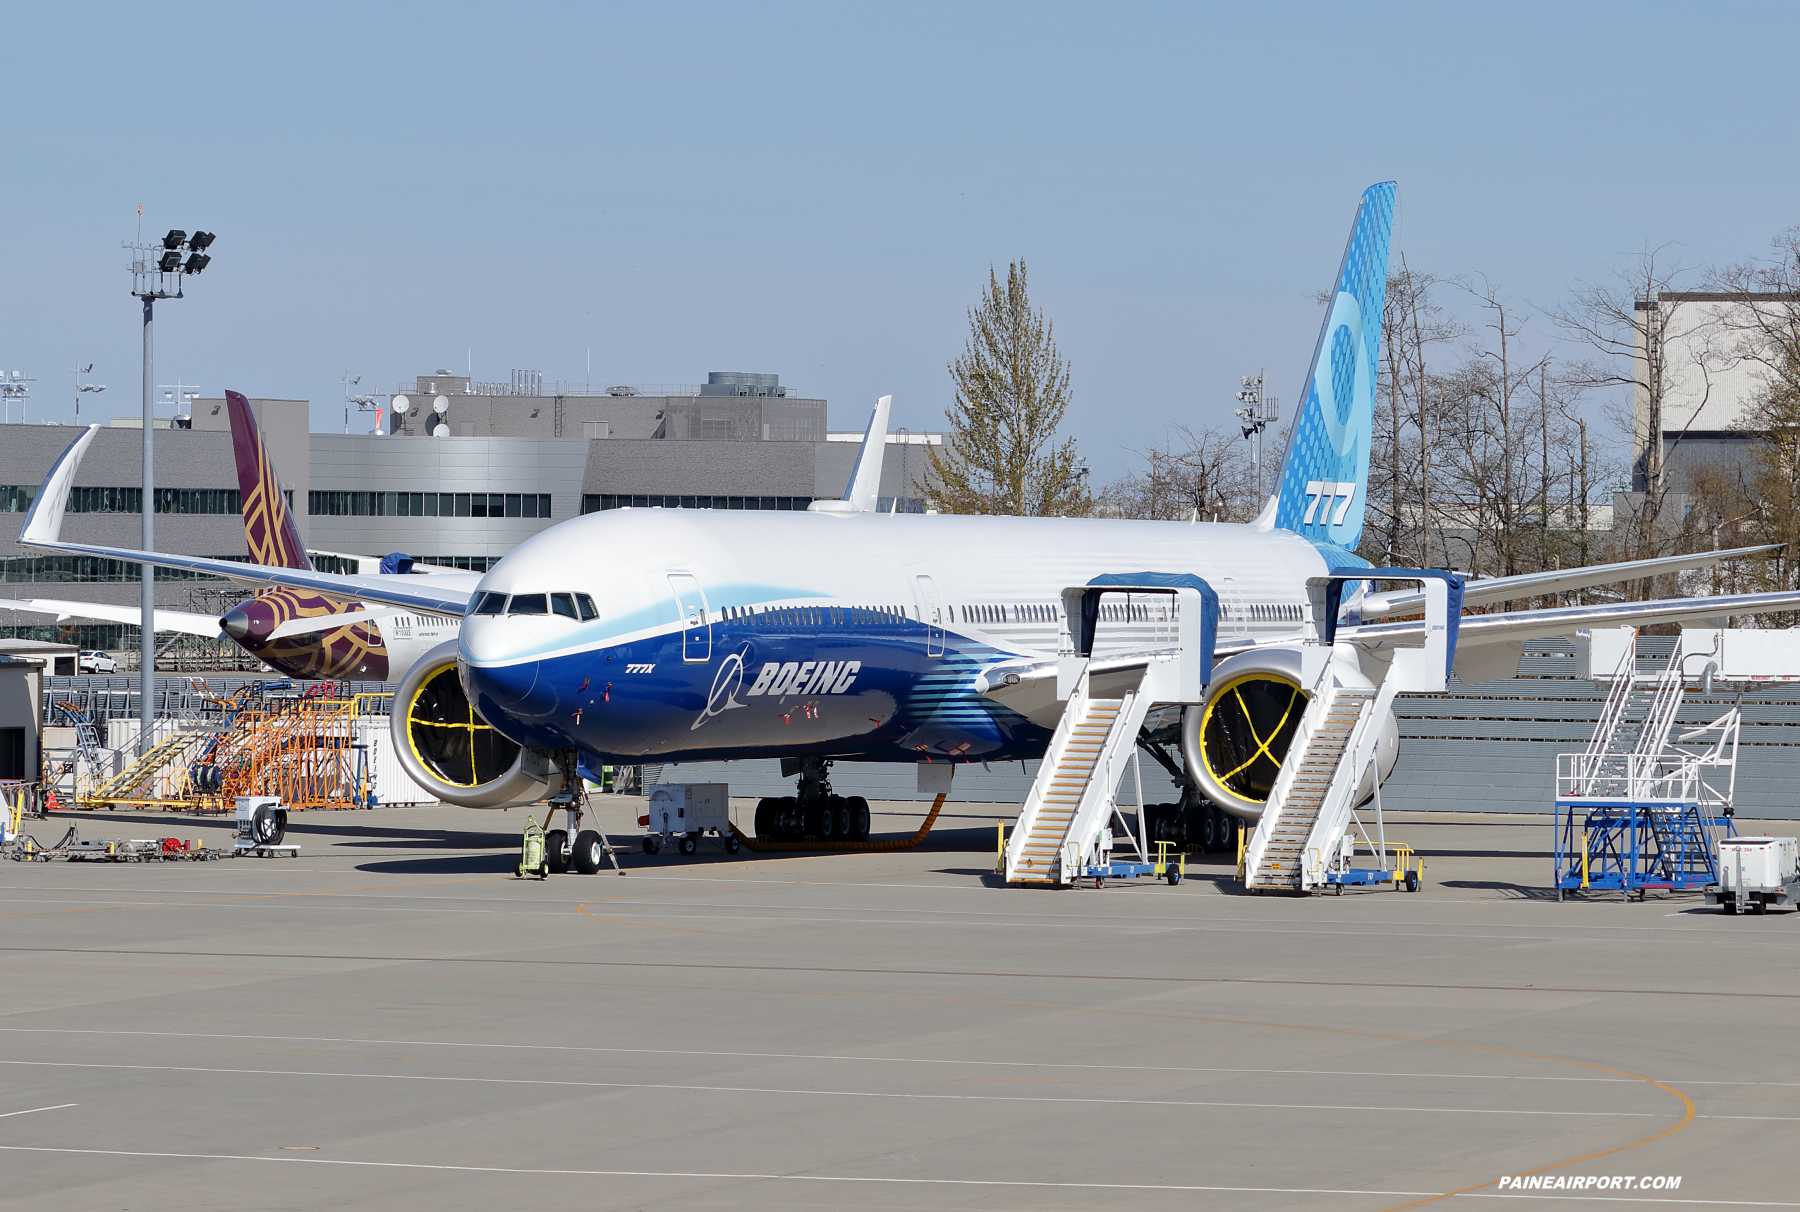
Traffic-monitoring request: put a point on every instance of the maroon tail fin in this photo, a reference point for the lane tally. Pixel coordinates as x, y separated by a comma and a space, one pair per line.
268, 525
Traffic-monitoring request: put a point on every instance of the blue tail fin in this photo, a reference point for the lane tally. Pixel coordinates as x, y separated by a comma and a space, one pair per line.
1325, 471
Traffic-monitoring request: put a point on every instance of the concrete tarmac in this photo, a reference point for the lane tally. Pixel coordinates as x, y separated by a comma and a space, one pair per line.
393, 1021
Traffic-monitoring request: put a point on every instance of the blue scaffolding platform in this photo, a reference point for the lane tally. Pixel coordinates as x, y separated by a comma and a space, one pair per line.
1631, 848
1646, 804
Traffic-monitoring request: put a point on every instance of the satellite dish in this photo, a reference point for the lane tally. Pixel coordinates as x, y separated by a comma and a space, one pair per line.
441, 431
401, 404
440, 405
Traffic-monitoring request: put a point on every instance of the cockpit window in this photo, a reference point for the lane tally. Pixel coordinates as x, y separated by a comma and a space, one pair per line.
528, 603
490, 603
563, 604
588, 610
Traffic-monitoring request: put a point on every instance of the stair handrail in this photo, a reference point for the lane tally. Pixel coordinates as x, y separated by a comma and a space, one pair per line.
1340, 795
1073, 711
1659, 721
1318, 705
1608, 723
1095, 807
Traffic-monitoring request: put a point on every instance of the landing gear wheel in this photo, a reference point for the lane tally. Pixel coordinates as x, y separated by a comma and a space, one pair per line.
826, 829
1412, 881
652, 844
846, 823
785, 811
859, 818
765, 814
556, 850
689, 844
732, 844
588, 852
1209, 829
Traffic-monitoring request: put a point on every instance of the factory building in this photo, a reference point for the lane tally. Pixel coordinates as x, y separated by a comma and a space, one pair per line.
462, 473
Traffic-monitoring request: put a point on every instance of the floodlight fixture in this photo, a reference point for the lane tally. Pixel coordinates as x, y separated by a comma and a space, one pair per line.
171, 261
196, 263
201, 241
175, 238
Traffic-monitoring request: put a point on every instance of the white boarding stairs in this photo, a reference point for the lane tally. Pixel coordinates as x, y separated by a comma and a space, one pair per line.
1310, 807
1071, 799
1062, 823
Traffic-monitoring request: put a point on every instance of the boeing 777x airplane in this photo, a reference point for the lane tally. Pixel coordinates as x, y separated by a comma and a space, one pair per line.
664, 635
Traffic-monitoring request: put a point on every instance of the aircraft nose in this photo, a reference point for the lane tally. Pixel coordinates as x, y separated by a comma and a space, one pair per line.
248, 623
508, 687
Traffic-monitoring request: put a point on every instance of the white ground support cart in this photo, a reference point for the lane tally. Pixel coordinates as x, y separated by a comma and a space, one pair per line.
261, 823
1756, 872
683, 812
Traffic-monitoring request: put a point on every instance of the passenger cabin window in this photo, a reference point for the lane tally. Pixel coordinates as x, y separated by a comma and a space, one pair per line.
564, 604
588, 611
529, 603
490, 603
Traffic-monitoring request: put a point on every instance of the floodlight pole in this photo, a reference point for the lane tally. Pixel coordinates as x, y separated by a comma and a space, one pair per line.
155, 269
147, 508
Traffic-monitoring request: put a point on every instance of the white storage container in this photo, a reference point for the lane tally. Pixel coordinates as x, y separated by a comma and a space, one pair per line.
690, 808
1756, 864
1600, 651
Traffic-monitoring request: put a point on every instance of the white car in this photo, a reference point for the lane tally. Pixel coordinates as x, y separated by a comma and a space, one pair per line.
96, 662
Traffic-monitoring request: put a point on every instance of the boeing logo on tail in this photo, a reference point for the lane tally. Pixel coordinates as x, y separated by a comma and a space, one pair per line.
1327, 455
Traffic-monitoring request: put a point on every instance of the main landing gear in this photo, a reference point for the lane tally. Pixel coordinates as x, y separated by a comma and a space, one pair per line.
815, 813
1193, 824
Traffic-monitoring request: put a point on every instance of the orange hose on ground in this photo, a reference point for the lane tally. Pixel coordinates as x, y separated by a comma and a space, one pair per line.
897, 844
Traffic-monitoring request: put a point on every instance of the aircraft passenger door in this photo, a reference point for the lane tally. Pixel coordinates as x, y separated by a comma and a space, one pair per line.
696, 625
931, 613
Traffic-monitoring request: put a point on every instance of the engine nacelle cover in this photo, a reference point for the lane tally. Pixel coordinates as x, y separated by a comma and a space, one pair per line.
1233, 743
452, 752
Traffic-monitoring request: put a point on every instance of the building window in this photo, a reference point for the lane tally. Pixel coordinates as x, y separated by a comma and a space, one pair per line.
327, 503
596, 502
85, 498
26, 569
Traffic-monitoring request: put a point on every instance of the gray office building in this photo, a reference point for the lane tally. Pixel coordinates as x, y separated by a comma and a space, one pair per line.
461, 475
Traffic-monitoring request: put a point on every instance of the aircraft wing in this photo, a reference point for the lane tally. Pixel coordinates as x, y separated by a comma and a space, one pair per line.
166, 620
1489, 645
1499, 589
43, 528
409, 593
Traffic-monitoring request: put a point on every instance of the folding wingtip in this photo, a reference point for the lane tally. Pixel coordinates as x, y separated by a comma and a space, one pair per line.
43, 522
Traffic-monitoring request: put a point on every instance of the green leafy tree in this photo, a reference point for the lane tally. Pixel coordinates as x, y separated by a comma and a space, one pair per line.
1012, 389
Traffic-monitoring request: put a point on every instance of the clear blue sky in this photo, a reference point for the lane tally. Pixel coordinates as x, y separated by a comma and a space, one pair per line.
819, 190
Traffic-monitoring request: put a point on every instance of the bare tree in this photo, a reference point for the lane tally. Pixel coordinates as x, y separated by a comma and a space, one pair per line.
1193, 473
1629, 325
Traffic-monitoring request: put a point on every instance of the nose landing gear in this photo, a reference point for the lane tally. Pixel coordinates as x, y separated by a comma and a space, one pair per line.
590, 846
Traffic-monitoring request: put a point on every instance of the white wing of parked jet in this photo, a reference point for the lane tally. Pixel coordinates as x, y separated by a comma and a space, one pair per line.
42, 531
1500, 589
166, 620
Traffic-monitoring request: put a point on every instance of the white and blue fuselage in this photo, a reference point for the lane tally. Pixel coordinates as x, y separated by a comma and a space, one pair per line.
740, 635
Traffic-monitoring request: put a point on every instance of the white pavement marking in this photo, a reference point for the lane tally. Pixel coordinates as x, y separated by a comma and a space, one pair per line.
803, 1178
885, 1060
955, 1098
35, 1110
1629, 1199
